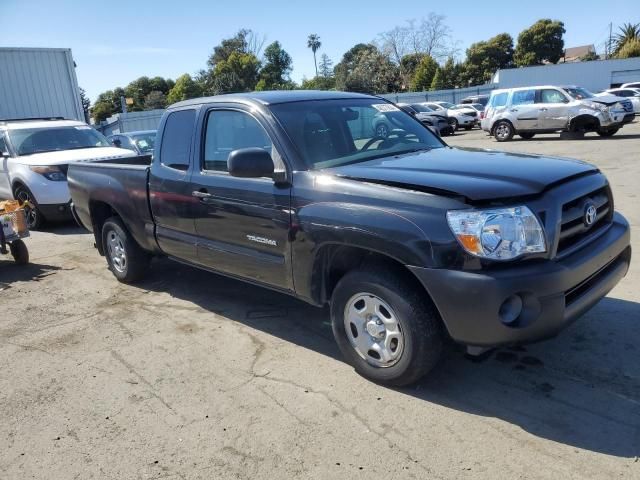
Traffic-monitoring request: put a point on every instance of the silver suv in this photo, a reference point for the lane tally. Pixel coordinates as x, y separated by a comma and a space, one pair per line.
546, 109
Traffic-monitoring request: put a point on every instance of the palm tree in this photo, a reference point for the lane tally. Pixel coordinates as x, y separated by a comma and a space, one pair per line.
628, 32
313, 42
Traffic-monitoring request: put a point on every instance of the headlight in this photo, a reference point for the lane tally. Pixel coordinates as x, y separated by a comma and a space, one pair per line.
52, 172
497, 234
597, 106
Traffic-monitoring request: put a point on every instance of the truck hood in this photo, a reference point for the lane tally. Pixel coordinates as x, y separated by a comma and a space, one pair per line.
62, 157
475, 174
604, 98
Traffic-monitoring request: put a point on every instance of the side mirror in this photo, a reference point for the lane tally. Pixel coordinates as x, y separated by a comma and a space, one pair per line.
250, 163
116, 142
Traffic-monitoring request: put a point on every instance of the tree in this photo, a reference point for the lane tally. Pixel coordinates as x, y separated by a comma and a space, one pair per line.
86, 103
107, 104
319, 83
274, 75
244, 41
589, 56
154, 100
450, 74
365, 69
345, 67
184, 89
432, 36
484, 58
424, 74
238, 73
541, 42
630, 49
627, 33
313, 42
408, 65
437, 83
326, 66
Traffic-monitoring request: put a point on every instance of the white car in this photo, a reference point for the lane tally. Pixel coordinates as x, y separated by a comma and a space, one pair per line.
466, 119
631, 94
34, 157
630, 85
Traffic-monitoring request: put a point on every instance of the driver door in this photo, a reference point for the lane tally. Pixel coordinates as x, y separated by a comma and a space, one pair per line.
553, 108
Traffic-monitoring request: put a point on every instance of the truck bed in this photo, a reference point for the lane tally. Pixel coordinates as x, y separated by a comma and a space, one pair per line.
122, 185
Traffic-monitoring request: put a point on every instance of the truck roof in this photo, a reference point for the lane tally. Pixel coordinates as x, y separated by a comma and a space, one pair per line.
39, 123
273, 97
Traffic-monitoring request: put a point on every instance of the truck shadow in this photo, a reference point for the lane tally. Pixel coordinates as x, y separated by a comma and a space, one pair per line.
580, 389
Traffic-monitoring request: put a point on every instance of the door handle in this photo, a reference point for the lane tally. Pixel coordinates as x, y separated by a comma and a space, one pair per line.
543, 109
201, 194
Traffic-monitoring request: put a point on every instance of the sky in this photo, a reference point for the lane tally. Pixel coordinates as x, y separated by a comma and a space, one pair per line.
117, 41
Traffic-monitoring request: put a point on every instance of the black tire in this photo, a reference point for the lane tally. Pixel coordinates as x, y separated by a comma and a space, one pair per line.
454, 124
35, 220
382, 130
527, 135
130, 262
607, 133
503, 131
418, 321
19, 252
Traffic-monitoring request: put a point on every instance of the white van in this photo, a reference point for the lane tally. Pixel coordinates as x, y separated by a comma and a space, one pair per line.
34, 156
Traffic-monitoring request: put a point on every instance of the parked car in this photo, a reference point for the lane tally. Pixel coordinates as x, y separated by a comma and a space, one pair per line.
527, 111
457, 119
631, 94
469, 111
141, 142
438, 122
409, 241
630, 85
35, 155
478, 107
481, 99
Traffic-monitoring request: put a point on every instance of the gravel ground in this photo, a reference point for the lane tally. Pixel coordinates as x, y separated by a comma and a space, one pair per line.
190, 375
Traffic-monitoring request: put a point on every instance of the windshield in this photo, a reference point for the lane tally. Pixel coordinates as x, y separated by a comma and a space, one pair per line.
27, 141
579, 93
421, 108
446, 104
145, 141
332, 133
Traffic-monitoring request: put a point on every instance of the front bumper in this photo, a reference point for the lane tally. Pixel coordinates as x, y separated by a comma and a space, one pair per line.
553, 293
56, 212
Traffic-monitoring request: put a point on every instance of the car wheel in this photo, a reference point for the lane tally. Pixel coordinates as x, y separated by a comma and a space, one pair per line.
127, 261
607, 133
527, 135
468, 127
384, 326
454, 124
503, 131
382, 130
19, 252
33, 215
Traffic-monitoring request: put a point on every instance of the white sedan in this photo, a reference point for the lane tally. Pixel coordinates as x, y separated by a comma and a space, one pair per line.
631, 94
466, 118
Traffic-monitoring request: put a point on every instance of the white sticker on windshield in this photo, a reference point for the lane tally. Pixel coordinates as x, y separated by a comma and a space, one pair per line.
83, 127
385, 107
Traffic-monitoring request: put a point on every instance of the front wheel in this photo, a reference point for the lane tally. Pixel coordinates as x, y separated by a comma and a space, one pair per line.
32, 213
607, 133
503, 131
454, 124
127, 261
384, 326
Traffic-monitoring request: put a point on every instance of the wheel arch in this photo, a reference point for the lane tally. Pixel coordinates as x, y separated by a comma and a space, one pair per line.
497, 122
100, 211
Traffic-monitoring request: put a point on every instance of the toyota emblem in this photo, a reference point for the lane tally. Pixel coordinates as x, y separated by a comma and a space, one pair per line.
590, 214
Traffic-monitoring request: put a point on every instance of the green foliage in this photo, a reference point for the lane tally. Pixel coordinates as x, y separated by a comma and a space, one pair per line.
274, 75
185, 88
588, 57
326, 66
437, 83
424, 74
630, 49
314, 43
484, 58
154, 100
541, 42
450, 74
236, 44
107, 104
408, 64
365, 69
86, 103
319, 83
626, 33
238, 73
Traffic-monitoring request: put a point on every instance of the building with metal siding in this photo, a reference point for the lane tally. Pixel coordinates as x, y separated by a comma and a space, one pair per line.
131, 122
39, 82
595, 75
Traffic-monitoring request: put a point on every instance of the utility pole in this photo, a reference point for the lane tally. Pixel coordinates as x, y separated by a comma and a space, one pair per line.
609, 44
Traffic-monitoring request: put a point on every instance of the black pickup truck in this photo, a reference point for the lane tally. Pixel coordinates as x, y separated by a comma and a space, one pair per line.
411, 242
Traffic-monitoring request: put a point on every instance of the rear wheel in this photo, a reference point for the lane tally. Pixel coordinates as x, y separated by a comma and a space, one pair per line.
527, 135
127, 261
19, 252
384, 326
454, 124
32, 213
607, 133
503, 131
382, 130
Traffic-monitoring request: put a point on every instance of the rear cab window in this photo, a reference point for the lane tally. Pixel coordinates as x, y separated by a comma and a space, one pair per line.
176, 139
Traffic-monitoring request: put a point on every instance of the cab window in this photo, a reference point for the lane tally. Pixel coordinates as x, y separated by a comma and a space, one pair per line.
523, 97
549, 95
176, 139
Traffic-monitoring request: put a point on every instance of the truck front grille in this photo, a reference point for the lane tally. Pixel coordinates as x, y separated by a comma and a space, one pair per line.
574, 229
627, 105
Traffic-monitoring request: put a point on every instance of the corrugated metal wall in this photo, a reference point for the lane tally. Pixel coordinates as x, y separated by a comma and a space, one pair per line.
38, 82
453, 95
131, 122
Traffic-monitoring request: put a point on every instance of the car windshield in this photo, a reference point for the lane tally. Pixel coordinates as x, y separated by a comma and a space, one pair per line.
27, 141
579, 93
421, 108
477, 106
332, 133
145, 141
446, 104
